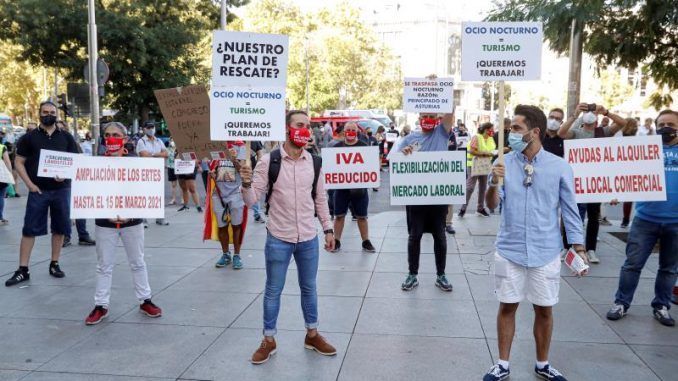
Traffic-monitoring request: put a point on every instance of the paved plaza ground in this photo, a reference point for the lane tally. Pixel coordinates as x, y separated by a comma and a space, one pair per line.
212, 317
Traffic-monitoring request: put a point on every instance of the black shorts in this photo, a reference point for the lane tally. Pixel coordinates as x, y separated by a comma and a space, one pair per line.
170, 175
426, 218
188, 177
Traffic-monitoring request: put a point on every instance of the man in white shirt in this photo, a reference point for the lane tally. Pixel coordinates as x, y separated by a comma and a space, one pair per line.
150, 146
646, 129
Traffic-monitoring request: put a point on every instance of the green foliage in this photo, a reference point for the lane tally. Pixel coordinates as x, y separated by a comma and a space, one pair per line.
625, 33
19, 84
614, 90
487, 94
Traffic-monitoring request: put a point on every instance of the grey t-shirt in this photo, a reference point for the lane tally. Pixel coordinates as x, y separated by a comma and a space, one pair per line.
228, 179
578, 131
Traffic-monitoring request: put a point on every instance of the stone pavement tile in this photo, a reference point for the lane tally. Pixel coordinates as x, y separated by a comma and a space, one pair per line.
478, 264
228, 358
662, 360
377, 357
75, 303
77, 274
419, 317
331, 283
601, 290
355, 243
51, 376
387, 285
609, 268
345, 261
159, 277
213, 279
148, 350
335, 314
197, 308
251, 259
397, 262
12, 375
482, 288
177, 257
87, 255
639, 326
35, 341
578, 361
7, 268
571, 322
15, 298
476, 244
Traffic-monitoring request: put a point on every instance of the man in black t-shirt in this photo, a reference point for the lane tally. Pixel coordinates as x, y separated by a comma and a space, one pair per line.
47, 195
552, 142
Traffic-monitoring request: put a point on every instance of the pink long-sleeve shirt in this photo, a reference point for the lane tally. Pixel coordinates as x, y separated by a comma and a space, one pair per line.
292, 209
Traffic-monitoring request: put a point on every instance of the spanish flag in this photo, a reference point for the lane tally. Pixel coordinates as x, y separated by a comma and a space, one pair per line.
211, 231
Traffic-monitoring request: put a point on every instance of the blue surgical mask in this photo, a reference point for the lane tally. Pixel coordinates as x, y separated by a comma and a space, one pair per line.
150, 131
516, 142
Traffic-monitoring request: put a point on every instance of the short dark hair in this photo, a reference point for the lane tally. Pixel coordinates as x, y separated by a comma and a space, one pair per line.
534, 118
484, 127
557, 109
45, 103
664, 112
291, 113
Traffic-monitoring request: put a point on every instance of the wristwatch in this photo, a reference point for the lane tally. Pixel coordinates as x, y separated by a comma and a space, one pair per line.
328, 231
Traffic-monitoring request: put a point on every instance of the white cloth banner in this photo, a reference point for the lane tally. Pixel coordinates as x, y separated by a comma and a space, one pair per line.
422, 95
428, 178
184, 167
351, 167
57, 164
624, 168
111, 187
501, 51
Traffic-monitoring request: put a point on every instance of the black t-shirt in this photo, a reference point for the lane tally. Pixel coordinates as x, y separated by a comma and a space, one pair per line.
452, 145
359, 143
255, 146
29, 147
554, 145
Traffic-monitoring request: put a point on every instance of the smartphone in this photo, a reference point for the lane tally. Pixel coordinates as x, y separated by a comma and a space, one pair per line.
591, 107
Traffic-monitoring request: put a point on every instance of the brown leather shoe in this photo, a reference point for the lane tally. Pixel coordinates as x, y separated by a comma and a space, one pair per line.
265, 351
320, 345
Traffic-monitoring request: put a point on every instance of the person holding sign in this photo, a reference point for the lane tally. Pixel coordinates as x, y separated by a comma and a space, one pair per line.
46, 194
527, 263
422, 219
654, 221
478, 159
358, 198
150, 146
109, 232
288, 176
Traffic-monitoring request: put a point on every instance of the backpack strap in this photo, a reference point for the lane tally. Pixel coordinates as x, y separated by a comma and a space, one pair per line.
317, 164
273, 171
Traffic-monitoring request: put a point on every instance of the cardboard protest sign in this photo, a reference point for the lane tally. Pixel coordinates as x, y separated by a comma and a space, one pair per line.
351, 167
428, 178
5, 174
187, 113
428, 95
626, 169
501, 51
111, 187
184, 167
57, 164
249, 78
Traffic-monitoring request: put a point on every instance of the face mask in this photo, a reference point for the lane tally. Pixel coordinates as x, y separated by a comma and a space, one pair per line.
668, 134
369, 133
113, 145
149, 131
48, 120
490, 133
516, 142
299, 136
552, 124
351, 136
428, 124
589, 118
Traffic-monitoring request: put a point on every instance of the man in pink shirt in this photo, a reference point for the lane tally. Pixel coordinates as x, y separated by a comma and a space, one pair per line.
291, 230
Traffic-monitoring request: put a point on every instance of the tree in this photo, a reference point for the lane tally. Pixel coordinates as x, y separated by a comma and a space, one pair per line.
148, 44
625, 33
19, 85
487, 94
614, 91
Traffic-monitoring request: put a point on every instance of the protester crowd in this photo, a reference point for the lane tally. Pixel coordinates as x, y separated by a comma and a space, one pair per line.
532, 190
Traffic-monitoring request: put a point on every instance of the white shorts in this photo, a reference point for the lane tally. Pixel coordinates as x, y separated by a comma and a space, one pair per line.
514, 283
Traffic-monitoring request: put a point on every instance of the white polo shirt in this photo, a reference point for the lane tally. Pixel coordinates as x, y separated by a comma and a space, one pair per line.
151, 146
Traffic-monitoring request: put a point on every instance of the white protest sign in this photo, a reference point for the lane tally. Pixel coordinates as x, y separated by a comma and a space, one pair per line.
108, 187
184, 167
243, 113
626, 169
5, 174
501, 51
428, 178
57, 164
391, 137
351, 167
462, 142
428, 95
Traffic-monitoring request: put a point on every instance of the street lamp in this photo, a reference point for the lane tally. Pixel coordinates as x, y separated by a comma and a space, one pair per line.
93, 82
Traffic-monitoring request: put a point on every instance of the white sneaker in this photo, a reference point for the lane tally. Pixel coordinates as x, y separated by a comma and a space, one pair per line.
592, 257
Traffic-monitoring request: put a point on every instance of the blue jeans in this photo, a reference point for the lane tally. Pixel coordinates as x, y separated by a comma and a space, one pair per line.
3, 190
256, 209
81, 227
278, 254
642, 238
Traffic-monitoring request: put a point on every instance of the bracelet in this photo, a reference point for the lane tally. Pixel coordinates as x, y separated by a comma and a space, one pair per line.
328, 231
247, 185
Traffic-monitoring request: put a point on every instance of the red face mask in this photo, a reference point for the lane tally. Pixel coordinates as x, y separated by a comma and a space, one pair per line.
299, 136
351, 135
428, 124
113, 145
490, 133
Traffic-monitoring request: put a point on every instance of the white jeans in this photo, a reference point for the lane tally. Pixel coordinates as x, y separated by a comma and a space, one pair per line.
133, 240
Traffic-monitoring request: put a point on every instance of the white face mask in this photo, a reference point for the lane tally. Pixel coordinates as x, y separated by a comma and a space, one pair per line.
552, 124
589, 118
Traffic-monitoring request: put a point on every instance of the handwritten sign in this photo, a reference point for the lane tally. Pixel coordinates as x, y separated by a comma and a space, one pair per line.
351, 167
428, 95
187, 113
108, 187
428, 178
626, 169
57, 164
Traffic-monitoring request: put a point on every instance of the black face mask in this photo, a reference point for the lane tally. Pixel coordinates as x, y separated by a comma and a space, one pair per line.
668, 134
48, 120
369, 133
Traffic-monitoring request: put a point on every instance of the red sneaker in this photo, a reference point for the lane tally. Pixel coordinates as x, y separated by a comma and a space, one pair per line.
97, 315
150, 309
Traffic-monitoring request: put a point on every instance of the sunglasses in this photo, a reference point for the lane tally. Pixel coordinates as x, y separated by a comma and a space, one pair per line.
529, 171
